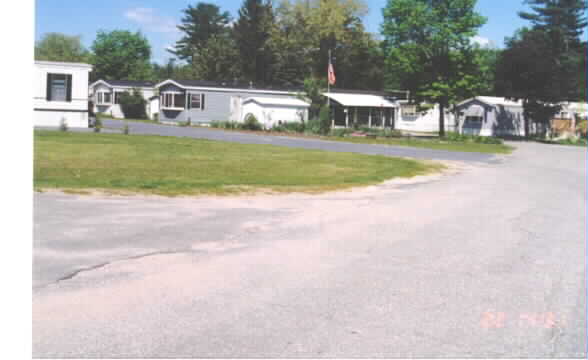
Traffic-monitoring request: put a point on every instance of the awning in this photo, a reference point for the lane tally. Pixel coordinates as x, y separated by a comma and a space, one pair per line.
361, 100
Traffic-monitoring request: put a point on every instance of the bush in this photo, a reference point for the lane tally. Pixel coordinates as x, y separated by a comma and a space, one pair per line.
341, 132
63, 125
251, 123
297, 127
313, 126
133, 105
456, 137
97, 125
325, 120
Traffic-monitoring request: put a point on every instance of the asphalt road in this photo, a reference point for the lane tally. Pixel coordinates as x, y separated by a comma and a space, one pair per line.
297, 142
489, 262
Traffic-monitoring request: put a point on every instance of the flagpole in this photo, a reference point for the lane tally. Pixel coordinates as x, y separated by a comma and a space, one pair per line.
329, 84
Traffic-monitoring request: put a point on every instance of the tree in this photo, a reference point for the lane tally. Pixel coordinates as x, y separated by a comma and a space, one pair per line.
216, 60
61, 47
428, 47
121, 55
252, 34
133, 105
546, 65
306, 30
199, 24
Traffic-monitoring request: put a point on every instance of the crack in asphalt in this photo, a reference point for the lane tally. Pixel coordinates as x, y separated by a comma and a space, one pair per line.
104, 264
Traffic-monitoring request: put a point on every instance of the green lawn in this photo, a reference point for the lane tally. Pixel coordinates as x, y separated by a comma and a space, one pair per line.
435, 144
179, 166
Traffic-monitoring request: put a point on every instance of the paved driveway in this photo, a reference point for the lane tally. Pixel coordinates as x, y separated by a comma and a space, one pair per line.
243, 138
486, 263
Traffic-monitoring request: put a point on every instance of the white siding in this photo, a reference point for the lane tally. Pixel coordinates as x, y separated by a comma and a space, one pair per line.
51, 113
427, 121
271, 115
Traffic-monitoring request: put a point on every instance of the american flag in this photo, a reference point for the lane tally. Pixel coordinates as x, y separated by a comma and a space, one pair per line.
332, 77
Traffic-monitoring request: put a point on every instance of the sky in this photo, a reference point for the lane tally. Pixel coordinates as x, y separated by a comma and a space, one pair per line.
157, 19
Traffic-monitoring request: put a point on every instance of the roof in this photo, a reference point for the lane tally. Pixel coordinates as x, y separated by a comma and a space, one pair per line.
493, 100
63, 64
278, 101
360, 100
126, 83
228, 85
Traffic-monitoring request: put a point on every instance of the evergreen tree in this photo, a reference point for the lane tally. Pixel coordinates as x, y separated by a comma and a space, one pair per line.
199, 24
252, 33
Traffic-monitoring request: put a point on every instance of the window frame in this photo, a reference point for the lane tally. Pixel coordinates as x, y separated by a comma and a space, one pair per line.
167, 100
67, 80
100, 98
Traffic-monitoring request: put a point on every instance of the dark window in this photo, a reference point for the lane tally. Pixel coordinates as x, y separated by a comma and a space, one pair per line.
195, 101
58, 87
117, 95
179, 100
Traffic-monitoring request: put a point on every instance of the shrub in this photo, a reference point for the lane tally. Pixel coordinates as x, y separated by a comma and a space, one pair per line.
63, 125
133, 105
313, 126
98, 125
341, 132
251, 123
456, 137
294, 126
325, 120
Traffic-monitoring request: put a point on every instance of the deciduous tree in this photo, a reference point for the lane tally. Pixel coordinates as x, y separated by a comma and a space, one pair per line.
61, 47
121, 55
428, 47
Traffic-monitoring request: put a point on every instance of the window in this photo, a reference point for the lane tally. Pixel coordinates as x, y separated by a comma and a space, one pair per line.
176, 100
179, 101
59, 87
474, 120
196, 101
103, 97
409, 110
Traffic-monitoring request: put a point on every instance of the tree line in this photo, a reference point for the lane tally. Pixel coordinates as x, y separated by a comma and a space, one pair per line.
424, 46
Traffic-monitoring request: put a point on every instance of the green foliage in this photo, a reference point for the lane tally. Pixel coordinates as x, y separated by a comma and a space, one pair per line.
325, 120
341, 132
252, 34
313, 126
313, 93
121, 55
216, 60
251, 123
546, 64
293, 127
199, 25
428, 49
456, 137
133, 105
61, 47
582, 127
98, 125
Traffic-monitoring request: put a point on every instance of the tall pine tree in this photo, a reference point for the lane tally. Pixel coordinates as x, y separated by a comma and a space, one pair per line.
199, 24
252, 33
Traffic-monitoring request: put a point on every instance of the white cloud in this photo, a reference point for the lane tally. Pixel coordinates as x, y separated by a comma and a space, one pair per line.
151, 21
483, 42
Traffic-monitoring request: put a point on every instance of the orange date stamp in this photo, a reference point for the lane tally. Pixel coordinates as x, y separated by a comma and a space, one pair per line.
498, 320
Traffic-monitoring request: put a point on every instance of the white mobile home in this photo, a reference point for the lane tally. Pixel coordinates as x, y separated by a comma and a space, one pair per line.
273, 111
105, 95
411, 119
61, 94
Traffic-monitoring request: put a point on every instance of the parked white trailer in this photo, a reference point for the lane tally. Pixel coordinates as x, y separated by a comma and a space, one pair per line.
61, 94
273, 111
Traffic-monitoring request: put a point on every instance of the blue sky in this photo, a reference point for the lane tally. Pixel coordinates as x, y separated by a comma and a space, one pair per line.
157, 18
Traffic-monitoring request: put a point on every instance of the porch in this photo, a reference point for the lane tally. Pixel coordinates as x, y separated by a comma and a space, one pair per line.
361, 110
